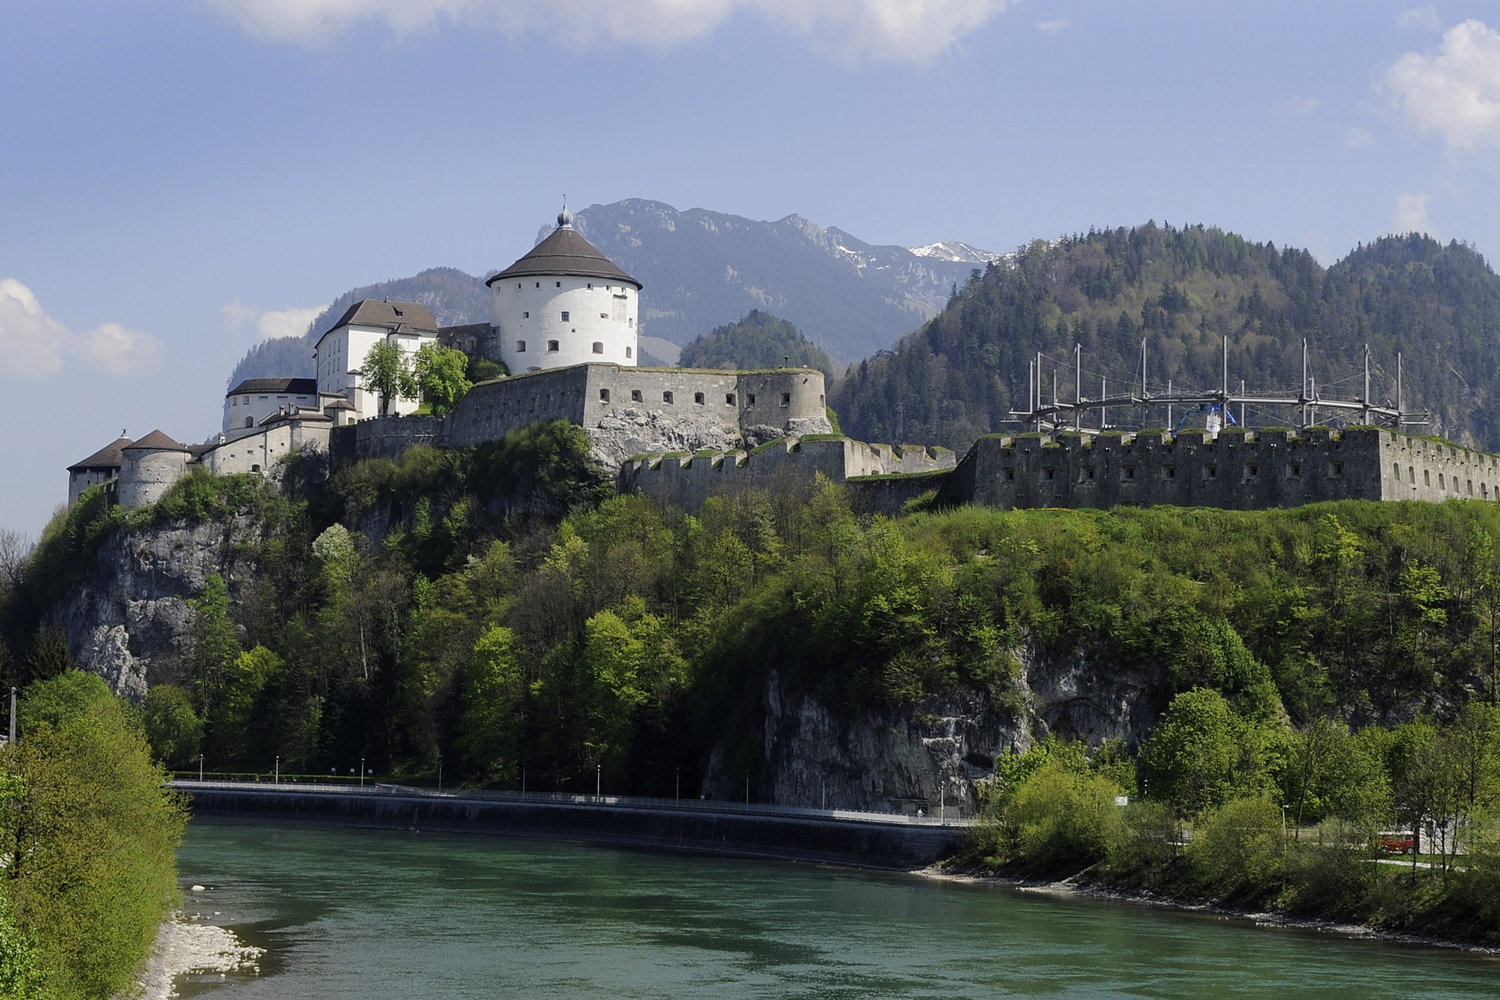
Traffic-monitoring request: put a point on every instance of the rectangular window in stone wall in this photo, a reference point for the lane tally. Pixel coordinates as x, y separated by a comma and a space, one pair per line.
603, 395
698, 398
1210, 472
1047, 474
729, 399
1252, 472
750, 399
1010, 475
551, 345
1294, 470
1336, 469
1086, 474
565, 316
786, 399
666, 397
1170, 472
635, 396
1127, 472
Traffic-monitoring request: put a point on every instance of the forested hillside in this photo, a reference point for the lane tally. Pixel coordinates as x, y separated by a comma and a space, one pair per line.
497, 605
760, 340
1182, 290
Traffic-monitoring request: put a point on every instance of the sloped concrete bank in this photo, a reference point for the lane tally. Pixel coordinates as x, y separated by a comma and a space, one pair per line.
801, 838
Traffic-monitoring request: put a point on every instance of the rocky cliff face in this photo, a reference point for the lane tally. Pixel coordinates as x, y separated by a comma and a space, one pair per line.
130, 621
628, 431
939, 752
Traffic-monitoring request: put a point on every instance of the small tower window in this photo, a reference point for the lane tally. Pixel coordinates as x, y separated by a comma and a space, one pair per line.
520, 347
629, 352
635, 396
603, 395
786, 399
526, 315
249, 421
666, 397
598, 347
565, 316
698, 398
559, 284
604, 315
591, 286
539, 284
518, 286
551, 345
750, 399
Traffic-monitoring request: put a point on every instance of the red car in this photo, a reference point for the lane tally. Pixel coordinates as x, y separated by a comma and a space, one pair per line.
1398, 843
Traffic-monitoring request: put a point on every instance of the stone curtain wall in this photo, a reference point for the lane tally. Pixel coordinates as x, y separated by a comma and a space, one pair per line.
626, 411
687, 480
1418, 469
1241, 470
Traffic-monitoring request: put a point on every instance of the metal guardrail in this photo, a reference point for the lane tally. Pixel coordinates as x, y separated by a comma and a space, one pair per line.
576, 799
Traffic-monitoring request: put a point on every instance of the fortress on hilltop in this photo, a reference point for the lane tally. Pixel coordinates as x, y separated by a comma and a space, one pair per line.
564, 320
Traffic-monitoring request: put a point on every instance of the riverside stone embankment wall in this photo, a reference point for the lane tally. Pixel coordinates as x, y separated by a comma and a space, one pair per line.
886, 845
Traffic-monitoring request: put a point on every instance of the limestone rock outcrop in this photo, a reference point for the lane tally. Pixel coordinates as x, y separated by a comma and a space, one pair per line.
130, 621
937, 753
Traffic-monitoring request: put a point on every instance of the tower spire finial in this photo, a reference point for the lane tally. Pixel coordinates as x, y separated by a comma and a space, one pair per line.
565, 217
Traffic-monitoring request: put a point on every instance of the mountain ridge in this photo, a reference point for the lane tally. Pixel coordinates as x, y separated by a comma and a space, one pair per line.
702, 269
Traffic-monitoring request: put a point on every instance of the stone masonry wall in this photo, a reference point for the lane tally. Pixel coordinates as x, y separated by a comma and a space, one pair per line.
687, 480
1241, 470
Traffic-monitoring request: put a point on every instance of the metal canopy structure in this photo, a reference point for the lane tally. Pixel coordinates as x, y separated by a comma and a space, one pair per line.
1060, 414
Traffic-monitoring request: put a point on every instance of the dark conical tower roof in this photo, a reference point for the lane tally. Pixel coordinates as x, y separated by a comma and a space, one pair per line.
565, 254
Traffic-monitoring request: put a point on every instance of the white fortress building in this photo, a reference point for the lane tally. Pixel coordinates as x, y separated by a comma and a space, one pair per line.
562, 304
341, 352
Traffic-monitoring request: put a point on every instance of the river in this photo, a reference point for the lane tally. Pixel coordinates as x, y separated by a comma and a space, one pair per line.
387, 914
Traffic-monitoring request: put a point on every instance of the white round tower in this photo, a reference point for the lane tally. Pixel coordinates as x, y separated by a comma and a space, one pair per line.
564, 303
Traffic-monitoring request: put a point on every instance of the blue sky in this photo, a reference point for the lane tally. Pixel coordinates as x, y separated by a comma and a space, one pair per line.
182, 177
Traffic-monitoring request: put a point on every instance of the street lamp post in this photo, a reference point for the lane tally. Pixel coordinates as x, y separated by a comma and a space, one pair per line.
276, 780
200, 767
598, 778
361, 771
679, 785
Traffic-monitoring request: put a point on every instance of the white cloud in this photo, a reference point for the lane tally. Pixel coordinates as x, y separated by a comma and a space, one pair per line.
286, 322
1410, 215
33, 344
270, 325
1357, 138
117, 350
1295, 107
29, 338
1054, 26
1454, 89
846, 31
1426, 18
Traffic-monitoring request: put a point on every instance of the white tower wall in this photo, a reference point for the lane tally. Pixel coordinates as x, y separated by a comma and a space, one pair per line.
600, 325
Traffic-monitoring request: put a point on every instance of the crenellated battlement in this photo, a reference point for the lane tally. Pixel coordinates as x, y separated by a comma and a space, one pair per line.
1239, 470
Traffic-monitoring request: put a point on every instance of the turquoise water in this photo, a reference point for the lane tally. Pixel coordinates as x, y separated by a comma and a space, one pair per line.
377, 914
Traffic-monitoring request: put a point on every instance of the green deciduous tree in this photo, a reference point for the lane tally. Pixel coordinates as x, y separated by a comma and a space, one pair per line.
387, 373
213, 645
440, 376
89, 833
172, 728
